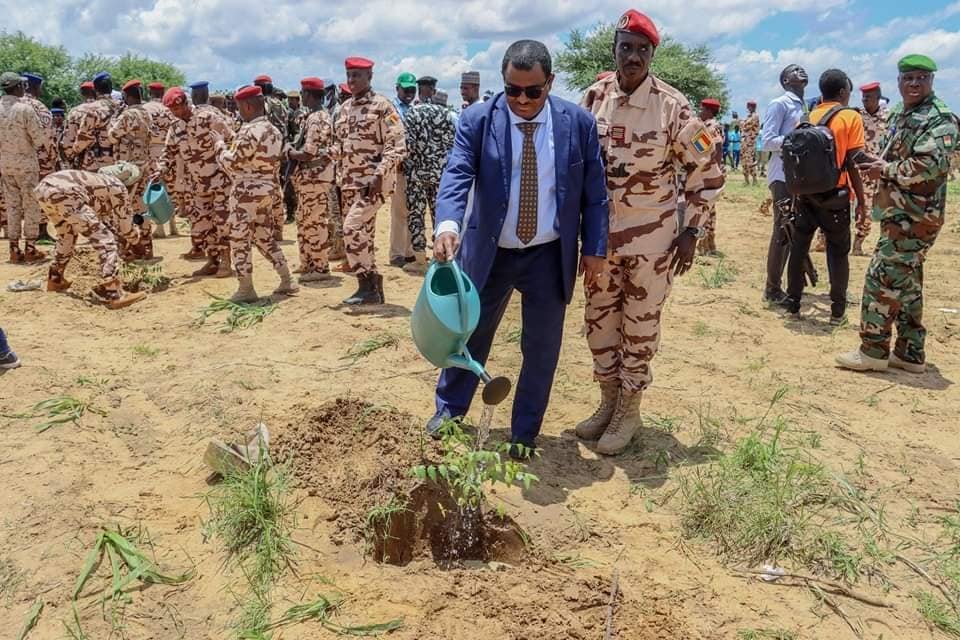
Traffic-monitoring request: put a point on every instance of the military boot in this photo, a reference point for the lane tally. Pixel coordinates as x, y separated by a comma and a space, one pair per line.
224, 270
114, 297
419, 265
858, 246
365, 293
594, 426
859, 361
16, 256
196, 252
287, 286
245, 291
378, 288
31, 255
623, 425
55, 280
210, 268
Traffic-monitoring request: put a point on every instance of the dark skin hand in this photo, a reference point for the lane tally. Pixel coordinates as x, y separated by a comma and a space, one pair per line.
683, 248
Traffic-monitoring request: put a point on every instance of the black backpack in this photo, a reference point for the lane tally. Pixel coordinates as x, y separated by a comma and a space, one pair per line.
809, 155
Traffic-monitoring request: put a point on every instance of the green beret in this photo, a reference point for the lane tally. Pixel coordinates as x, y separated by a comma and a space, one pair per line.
917, 62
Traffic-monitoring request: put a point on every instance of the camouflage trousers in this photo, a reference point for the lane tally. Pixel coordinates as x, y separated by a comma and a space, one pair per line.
748, 159
70, 221
420, 195
622, 318
359, 231
251, 223
869, 191
279, 211
335, 223
135, 204
209, 213
23, 212
893, 289
312, 231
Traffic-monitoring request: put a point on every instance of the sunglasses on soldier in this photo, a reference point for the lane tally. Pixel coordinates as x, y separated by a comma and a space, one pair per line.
533, 92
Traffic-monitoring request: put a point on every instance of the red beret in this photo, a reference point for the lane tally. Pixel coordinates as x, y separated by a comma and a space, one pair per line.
345, 88
312, 84
156, 86
174, 95
358, 63
710, 103
263, 79
247, 92
635, 22
604, 75
86, 85
131, 85
870, 87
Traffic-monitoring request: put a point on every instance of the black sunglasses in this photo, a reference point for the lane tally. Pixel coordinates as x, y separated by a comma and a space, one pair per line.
532, 92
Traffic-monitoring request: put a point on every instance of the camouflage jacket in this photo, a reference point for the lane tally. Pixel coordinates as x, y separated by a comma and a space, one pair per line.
106, 195
71, 124
430, 133
161, 119
317, 140
130, 134
91, 141
296, 118
715, 129
196, 143
750, 128
47, 153
371, 141
254, 154
21, 137
647, 139
277, 115
917, 150
873, 128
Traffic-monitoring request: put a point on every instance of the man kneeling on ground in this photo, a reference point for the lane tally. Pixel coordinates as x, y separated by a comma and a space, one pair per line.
86, 203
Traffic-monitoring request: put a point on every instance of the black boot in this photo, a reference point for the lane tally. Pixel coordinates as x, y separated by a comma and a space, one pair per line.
378, 287
366, 293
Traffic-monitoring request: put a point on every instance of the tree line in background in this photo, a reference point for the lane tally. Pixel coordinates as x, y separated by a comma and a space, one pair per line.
688, 69
63, 74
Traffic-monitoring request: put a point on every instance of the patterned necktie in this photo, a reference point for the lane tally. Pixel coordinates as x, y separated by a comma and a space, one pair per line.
527, 218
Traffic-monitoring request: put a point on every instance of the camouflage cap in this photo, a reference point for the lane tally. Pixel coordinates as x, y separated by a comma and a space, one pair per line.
126, 172
916, 62
9, 80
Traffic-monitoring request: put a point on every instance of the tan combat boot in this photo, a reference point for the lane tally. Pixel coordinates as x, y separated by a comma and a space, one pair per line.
224, 270
16, 256
31, 255
287, 286
55, 280
594, 426
859, 361
623, 426
418, 266
211, 267
245, 291
913, 367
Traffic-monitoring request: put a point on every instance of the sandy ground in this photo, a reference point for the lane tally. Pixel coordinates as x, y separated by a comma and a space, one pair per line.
167, 386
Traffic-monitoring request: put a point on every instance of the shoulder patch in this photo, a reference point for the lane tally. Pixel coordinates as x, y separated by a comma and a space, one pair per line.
702, 141
949, 141
393, 118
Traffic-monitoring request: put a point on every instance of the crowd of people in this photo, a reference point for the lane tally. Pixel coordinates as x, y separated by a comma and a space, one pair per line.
526, 189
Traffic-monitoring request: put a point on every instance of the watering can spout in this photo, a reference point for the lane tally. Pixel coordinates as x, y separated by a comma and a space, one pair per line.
445, 316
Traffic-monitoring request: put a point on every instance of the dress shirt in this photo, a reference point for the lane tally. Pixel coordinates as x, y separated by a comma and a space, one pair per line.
402, 107
547, 223
780, 118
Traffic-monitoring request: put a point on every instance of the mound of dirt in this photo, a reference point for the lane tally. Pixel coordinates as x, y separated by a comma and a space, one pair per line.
358, 457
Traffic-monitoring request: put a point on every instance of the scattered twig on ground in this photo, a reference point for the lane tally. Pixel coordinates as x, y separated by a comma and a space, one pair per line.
614, 587
838, 588
837, 609
933, 583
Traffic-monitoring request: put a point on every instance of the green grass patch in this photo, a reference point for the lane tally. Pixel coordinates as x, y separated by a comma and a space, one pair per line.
240, 315
143, 277
717, 276
146, 350
59, 410
765, 634
364, 348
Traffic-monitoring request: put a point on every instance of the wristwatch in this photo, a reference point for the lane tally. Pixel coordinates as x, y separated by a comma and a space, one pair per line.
696, 232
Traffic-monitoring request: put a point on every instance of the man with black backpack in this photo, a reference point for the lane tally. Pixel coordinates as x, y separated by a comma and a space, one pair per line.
819, 170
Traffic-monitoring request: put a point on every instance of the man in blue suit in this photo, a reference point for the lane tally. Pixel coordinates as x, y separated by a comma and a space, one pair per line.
539, 208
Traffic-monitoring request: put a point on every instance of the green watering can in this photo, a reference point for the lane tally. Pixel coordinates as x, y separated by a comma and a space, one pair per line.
159, 205
445, 316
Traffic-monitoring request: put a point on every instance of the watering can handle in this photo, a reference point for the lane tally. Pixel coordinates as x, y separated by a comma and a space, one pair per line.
461, 296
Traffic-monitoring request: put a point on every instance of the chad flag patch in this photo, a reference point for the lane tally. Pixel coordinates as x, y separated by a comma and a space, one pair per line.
702, 141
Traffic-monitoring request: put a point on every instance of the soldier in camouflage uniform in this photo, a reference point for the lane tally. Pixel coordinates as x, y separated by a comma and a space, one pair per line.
72, 124
91, 148
430, 132
48, 156
313, 178
909, 204
750, 129
278, 116
648, 133
160, 122
82, 203
21, 138
709, 109
874, 124
371, 142
251, 161
206, 181
129, 135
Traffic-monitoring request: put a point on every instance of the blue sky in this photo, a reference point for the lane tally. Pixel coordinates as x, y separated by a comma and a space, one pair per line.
228, 42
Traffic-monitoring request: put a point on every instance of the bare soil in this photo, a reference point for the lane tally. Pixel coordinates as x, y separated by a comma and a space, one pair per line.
350, 430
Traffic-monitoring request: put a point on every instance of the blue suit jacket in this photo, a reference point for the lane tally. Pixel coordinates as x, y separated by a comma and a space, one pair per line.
481, 154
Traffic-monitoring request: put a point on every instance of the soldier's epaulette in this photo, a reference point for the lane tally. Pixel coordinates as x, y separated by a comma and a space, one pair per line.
942, 106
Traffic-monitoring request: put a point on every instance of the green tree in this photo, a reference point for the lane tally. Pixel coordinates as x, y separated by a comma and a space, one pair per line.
129, 67
685, 68
20, 53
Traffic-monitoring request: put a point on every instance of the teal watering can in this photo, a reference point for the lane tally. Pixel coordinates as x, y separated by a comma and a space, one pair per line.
159, 204
445, 316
